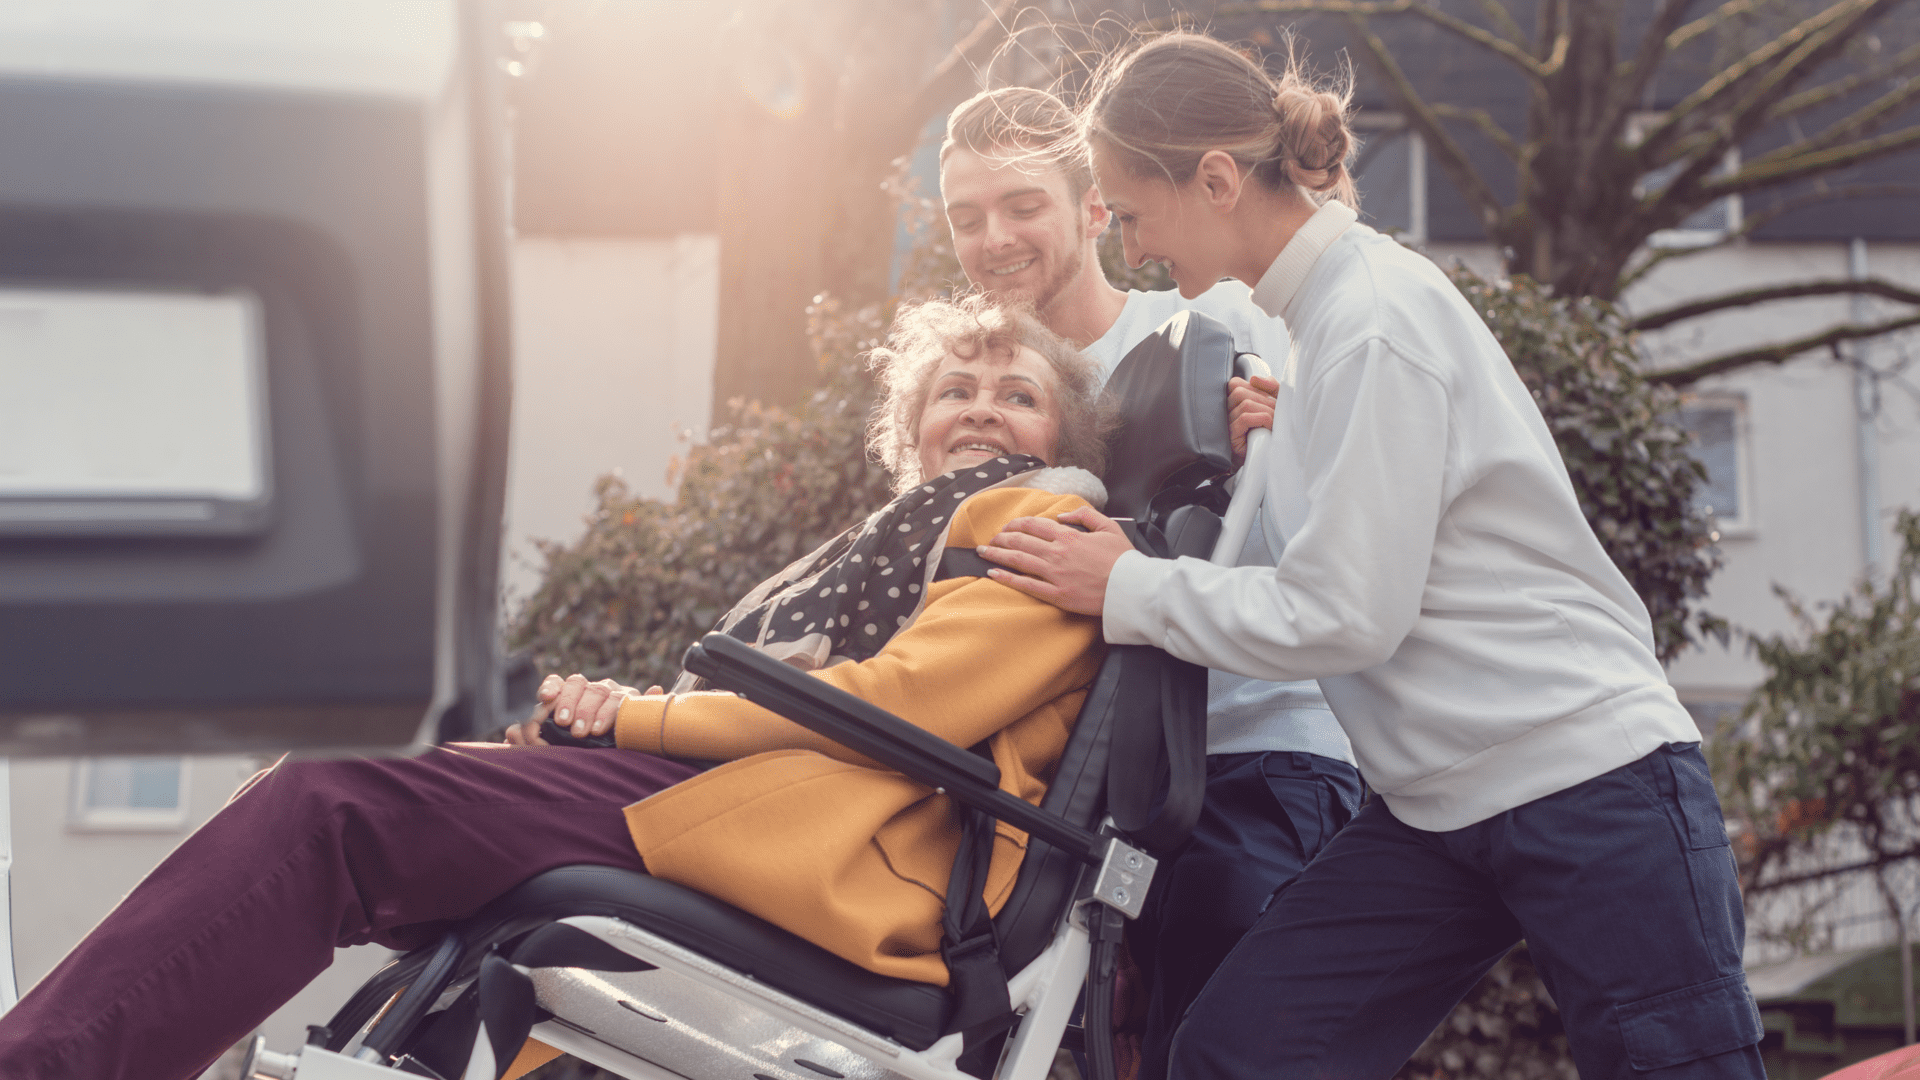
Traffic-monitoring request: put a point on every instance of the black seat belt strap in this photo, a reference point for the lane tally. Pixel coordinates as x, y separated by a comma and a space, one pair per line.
968, 943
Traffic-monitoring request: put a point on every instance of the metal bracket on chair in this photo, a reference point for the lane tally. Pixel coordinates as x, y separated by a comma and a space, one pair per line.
308, 1063
1125, 873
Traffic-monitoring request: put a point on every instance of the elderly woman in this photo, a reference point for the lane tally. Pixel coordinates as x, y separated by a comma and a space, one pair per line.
312, 855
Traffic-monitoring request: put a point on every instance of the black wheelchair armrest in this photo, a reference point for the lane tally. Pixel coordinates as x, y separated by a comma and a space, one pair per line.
870, 730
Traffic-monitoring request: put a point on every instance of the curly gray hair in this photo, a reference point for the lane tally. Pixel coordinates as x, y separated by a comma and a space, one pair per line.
924, 333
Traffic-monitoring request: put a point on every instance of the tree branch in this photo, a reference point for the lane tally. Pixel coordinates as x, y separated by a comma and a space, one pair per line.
1784, 54
1820, 47
1517, 55
1503, 22
1695, 186
1751, 221
1839, 88
1452, 159
1767, 172
1875, 863
1688, 374
1556, 57
1483, 121
1630, 81
1710, 21
1747, 297
1868, 118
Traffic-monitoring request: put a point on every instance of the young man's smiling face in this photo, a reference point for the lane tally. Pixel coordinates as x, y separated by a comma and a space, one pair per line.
1016, 228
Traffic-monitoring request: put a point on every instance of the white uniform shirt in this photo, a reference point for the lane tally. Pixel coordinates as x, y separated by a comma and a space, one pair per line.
1243, 715
1437, 577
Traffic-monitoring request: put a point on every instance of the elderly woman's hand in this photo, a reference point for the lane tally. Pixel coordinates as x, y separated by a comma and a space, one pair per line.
1065, 567
584, 708
1249, 405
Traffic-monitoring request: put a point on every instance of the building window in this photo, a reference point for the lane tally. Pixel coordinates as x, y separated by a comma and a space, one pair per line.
1391, 173
137, 793
1719, 426
1707, 225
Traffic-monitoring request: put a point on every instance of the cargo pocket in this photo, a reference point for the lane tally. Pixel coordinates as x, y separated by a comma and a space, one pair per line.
1687, 1025
1699, 803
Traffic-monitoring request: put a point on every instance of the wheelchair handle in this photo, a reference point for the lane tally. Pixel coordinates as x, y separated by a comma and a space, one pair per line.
1248, 491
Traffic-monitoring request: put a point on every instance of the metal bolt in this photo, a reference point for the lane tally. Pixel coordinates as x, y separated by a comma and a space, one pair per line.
1120, 896
1133, 860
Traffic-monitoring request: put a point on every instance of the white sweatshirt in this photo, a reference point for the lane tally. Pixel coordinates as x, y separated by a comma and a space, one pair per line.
1437, 576
1243, 715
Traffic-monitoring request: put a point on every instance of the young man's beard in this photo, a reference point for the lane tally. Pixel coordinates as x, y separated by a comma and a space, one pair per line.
1056, 283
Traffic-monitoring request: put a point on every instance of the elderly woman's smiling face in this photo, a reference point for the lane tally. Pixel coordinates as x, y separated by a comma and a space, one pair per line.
988, 406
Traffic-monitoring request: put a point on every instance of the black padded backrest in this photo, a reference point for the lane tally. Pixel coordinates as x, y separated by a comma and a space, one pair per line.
1173, 399
1078, 794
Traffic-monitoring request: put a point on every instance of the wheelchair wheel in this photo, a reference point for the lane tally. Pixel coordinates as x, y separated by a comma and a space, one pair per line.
360, 1012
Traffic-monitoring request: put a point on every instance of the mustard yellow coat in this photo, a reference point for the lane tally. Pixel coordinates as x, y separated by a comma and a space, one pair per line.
818, 840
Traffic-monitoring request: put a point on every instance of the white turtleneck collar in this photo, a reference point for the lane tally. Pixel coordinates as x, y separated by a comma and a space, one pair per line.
1282, 281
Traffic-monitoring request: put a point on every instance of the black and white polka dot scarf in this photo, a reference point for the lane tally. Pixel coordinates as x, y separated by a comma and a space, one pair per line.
847, 598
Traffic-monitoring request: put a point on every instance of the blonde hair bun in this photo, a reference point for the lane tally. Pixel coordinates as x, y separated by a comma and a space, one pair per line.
1171, 99
1314, 135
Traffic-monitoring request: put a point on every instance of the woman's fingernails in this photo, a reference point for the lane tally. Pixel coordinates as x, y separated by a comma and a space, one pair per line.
563, 716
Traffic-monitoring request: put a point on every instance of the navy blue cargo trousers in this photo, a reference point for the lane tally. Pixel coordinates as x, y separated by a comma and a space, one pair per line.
1266, 816
1623, 886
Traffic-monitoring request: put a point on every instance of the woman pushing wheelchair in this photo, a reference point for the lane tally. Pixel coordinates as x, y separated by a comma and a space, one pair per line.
988, 417
1536, 775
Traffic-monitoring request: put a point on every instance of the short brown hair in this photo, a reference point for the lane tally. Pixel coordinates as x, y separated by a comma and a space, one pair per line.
1166, 103
924, 333
1026, 125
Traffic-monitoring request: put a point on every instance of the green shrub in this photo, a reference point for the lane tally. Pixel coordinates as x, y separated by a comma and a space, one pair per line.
647, 578
1825, 758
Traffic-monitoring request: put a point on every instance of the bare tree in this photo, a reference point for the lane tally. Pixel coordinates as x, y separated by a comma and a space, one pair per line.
1581, 209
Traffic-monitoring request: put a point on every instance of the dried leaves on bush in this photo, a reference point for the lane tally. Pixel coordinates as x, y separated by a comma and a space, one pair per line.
1828, 746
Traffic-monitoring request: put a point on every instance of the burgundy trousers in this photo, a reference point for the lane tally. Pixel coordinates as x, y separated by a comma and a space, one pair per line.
309, 856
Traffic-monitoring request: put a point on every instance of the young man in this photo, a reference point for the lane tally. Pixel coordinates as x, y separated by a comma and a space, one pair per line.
1281, 779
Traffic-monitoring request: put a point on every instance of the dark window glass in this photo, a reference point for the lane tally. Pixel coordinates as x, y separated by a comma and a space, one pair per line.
1716, 446
1383, 172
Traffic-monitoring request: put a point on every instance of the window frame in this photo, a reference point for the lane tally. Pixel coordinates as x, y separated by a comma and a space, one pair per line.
84, 818
1681, 236
1745, 525
1371, 124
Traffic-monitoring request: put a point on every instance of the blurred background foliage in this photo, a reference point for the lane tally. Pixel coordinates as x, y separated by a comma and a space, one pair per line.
646, 578
1825, 758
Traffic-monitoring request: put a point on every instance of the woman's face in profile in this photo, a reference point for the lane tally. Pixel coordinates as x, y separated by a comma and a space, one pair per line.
988, 406
1163, 223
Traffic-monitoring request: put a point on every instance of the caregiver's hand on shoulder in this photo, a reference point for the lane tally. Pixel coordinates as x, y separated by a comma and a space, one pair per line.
1065, 567
1249, 405
583, 708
